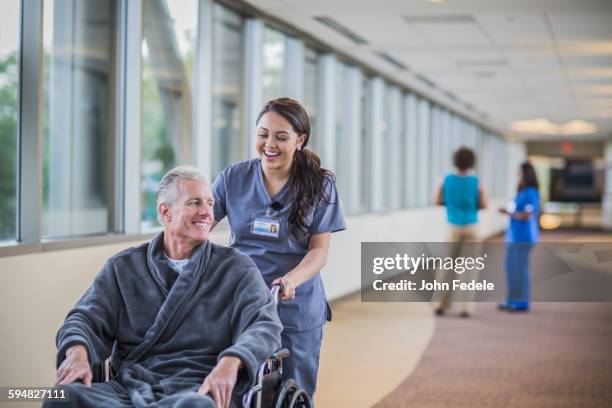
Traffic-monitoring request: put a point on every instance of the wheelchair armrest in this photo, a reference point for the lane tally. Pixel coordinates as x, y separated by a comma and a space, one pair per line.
97, 371
102, 372
280, 354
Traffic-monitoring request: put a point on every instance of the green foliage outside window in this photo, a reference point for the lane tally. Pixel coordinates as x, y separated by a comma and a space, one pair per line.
9, 82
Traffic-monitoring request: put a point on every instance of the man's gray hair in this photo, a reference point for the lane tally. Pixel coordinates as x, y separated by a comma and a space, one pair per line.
168, 186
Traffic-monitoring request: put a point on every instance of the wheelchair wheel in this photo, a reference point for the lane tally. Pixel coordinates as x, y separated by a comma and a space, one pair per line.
299, 399
291, 395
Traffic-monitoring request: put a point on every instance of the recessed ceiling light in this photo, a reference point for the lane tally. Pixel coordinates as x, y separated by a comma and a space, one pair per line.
544, 126
437, 1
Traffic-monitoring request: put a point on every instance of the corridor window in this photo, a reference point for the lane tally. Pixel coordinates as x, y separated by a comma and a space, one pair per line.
311, 96
273, 64
445, 143
9, 108
400, 160
412, 153
342, 138
168, 51
228, 144
424, 178
387, 146
436, 163
366, 148
78, 131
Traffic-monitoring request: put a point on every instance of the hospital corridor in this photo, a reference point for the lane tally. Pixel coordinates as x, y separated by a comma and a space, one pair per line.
296, 204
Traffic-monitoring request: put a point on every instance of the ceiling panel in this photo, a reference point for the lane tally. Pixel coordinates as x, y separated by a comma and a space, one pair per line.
542, 59
452, 6
482, 56
396, 33
452, 34
593, 90
589, 72
515, 29
593, 61
581, 26
427, 61
514, 60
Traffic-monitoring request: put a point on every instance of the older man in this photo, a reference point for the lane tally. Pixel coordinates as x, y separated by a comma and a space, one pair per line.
188, 322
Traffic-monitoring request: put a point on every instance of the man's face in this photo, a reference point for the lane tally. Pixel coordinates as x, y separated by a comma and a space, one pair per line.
190, 216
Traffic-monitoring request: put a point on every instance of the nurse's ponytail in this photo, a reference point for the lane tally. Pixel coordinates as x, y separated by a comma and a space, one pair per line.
308, 180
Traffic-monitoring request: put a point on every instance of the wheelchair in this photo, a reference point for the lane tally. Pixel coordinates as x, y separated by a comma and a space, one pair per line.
269, 390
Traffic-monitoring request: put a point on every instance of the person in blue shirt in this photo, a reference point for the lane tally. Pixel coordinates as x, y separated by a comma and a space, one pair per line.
521, 236
282, 208
462, 195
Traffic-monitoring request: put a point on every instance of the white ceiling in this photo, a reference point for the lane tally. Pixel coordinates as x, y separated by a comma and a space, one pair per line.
511, 59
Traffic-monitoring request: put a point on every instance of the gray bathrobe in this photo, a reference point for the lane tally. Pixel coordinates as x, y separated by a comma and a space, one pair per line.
167, 331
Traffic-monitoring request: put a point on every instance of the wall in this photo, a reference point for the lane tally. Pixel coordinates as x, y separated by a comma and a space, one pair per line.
607, 197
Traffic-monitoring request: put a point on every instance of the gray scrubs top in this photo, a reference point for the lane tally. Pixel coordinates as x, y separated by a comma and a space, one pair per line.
241, 195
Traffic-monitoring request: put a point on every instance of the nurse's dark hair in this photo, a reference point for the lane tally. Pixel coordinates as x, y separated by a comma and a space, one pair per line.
528, 177
308, 180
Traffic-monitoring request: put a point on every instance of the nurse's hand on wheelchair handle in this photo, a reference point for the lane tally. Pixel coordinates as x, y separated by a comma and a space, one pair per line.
287, 286
221, 380
74, 367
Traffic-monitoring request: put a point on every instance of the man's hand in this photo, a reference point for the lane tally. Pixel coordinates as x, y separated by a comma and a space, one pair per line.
221, 380
74, 367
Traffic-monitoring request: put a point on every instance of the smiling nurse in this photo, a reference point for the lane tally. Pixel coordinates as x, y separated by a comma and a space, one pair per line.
282, 208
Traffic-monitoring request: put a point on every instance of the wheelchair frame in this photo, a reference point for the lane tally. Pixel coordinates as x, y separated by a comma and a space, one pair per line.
269, 390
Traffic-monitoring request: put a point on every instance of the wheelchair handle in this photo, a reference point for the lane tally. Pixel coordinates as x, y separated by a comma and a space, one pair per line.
276, 290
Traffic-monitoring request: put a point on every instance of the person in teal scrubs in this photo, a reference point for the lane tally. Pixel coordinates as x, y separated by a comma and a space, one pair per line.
521, 236
282, 208
463, 196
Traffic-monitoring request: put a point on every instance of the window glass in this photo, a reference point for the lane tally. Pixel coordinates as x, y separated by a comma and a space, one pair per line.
446, 154
9, 108
78, 131
273, 64
168, 51
400, 158
412, 152
228, 144
365, 140
311, 97
387, 164
342, 138
423, 177
435, 164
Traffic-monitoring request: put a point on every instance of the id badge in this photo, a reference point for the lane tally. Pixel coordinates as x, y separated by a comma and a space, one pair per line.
266, 226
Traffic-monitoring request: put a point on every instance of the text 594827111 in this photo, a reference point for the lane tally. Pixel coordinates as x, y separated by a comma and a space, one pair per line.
29, 394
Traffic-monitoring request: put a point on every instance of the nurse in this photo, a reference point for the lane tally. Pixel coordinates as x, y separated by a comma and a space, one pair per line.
282, 208
520, 238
